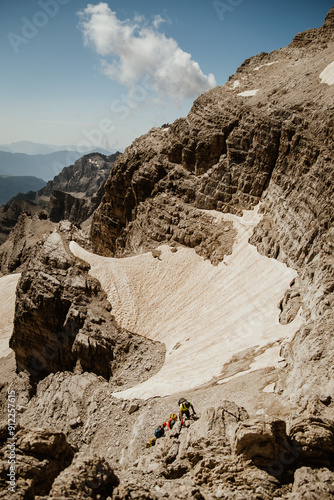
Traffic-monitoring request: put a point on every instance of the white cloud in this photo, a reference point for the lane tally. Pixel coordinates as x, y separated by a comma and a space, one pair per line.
157, 21
139, 52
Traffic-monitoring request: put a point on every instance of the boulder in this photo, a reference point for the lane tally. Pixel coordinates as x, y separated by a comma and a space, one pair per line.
313, 438
89, 476
262, 441
312, 484
40, 455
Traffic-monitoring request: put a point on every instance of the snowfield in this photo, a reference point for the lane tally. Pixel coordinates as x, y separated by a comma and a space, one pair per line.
327, 75
7, 307
204, 314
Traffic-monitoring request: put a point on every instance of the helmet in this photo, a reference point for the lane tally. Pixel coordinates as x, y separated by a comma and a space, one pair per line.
187, 404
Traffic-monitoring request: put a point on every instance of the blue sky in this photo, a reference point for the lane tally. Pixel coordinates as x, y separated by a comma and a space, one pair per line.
122, 67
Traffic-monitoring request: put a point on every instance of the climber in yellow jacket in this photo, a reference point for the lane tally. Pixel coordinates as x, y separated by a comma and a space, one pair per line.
184, 408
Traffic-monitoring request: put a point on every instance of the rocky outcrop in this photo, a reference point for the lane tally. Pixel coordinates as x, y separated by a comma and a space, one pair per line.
215, 179
39, 456
76, 192
10, 213
321, 35
312, 484
314, 439
261, 441
167, 219
63, 320
89, 476
17, 249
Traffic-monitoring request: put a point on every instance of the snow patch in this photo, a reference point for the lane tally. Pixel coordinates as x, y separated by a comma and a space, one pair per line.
236, 84
212, 312
7, 307
270, 387
248, 93
263, 65
327, 75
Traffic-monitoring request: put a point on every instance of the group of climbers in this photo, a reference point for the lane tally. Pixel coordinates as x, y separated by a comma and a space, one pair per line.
184, 411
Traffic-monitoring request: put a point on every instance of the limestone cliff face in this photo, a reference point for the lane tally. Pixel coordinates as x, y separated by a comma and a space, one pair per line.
75, 193
232, 148
63, 320
266, 135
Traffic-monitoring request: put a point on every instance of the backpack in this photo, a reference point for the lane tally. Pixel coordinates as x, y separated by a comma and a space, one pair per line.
150, 443
159, 431
181, 400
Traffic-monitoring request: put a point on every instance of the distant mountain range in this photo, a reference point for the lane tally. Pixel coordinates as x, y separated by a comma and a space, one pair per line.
10, 186
27, 166
37, 148
73, 194
40, 165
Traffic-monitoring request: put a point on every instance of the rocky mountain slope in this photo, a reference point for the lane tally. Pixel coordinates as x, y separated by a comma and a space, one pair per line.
266, 136
77, 190
174, 209
11, 185
73, 195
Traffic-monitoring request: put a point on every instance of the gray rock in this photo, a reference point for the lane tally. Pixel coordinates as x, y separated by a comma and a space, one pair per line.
314, 439
87, 477
262, 441
40, 455
133, 407
312, 484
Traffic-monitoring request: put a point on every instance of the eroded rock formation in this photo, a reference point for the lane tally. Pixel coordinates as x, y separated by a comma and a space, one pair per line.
40, 455
63, 320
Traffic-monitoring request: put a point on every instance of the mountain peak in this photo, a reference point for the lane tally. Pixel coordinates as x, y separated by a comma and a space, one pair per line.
322, 34
329, 20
